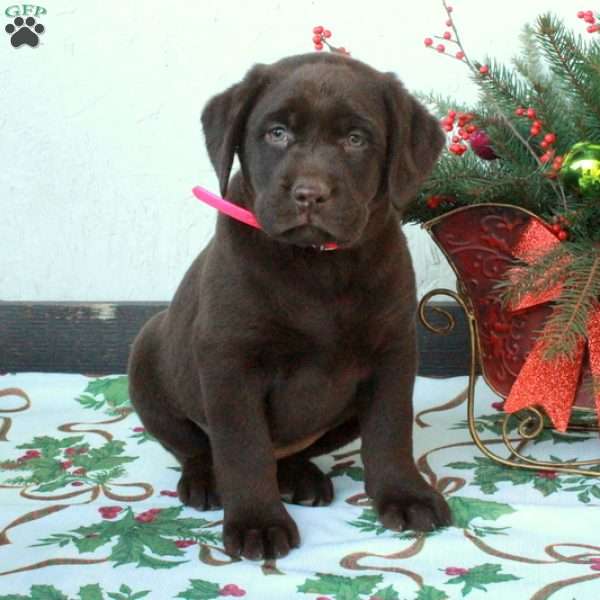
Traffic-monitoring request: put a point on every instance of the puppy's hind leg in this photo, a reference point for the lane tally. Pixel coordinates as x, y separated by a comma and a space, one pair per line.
184, 439
300, 480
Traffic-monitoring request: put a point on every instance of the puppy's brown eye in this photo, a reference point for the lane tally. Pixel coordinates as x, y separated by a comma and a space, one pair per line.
355, 139
278, 135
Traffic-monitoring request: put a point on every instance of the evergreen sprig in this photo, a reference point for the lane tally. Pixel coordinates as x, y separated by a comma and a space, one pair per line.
557, 73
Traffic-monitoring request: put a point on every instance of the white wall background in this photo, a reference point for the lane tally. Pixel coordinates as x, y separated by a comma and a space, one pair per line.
100, 139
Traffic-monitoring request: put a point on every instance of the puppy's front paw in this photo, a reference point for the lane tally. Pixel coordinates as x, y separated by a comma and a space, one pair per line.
419, 510
270, 535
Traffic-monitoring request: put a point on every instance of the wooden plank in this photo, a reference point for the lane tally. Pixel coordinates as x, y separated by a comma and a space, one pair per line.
95, 337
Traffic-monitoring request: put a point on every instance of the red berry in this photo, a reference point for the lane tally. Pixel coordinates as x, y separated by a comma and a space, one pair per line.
66, 464
520, 112
450, 9
318, 29
327, 33
32, 454
562, 235
448, 127
484, 69
550, 138
460, 55
456, 139
499, 406
470, 128
77, 483
458, 149
449, 23
80, 471
232, 590
452, 114
440, 48
447, 35
318, 46
138, 429
591, 28
109, 512
428, 42
556, 228
534, 131
456, 571
537, 124
70, 451
544, 144
589, 19
580, 14
317, 39
185, 543
531, 114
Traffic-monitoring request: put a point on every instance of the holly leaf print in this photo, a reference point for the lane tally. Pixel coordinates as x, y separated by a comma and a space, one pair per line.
465, 510
368, 522
388, 593
480, 576
430, 593
341, 588
92, 591
141, 539
200, 590
55, 463
110, 393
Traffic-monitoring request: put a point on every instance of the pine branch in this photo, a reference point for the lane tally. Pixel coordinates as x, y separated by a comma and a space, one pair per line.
567, 57
567, 326
533, 279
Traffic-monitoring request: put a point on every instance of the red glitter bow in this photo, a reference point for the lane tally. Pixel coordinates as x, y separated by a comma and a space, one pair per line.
551, 383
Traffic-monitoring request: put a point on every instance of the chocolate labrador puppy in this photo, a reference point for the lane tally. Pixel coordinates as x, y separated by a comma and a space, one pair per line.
274, 350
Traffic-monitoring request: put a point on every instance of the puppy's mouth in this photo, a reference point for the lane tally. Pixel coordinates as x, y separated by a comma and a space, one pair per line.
308, 235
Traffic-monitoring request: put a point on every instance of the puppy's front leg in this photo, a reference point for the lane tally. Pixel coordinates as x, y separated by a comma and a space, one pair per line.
401, 497
256, 523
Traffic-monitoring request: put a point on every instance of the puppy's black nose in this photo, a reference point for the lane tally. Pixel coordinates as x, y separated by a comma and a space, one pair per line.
309, 192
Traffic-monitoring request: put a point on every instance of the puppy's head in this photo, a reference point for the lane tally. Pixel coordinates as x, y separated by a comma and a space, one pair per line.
325, 143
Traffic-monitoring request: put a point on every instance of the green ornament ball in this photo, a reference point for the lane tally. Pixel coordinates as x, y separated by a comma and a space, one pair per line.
581, 170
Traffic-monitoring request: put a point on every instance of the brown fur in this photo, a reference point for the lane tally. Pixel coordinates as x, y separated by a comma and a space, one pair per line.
272, 347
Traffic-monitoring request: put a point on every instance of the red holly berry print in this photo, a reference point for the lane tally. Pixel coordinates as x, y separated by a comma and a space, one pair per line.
109, 512
185, 543
148, 516
231, 589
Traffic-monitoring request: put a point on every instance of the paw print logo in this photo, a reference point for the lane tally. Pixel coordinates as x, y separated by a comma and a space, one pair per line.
24, 32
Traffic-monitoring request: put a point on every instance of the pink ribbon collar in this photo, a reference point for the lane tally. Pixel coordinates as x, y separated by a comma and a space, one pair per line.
237, 212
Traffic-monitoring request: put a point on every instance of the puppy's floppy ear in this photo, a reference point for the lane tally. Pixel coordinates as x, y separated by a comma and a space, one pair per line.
224, 120
415, 140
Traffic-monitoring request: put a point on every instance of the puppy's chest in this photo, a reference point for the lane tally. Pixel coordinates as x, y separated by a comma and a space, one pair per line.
317, 369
